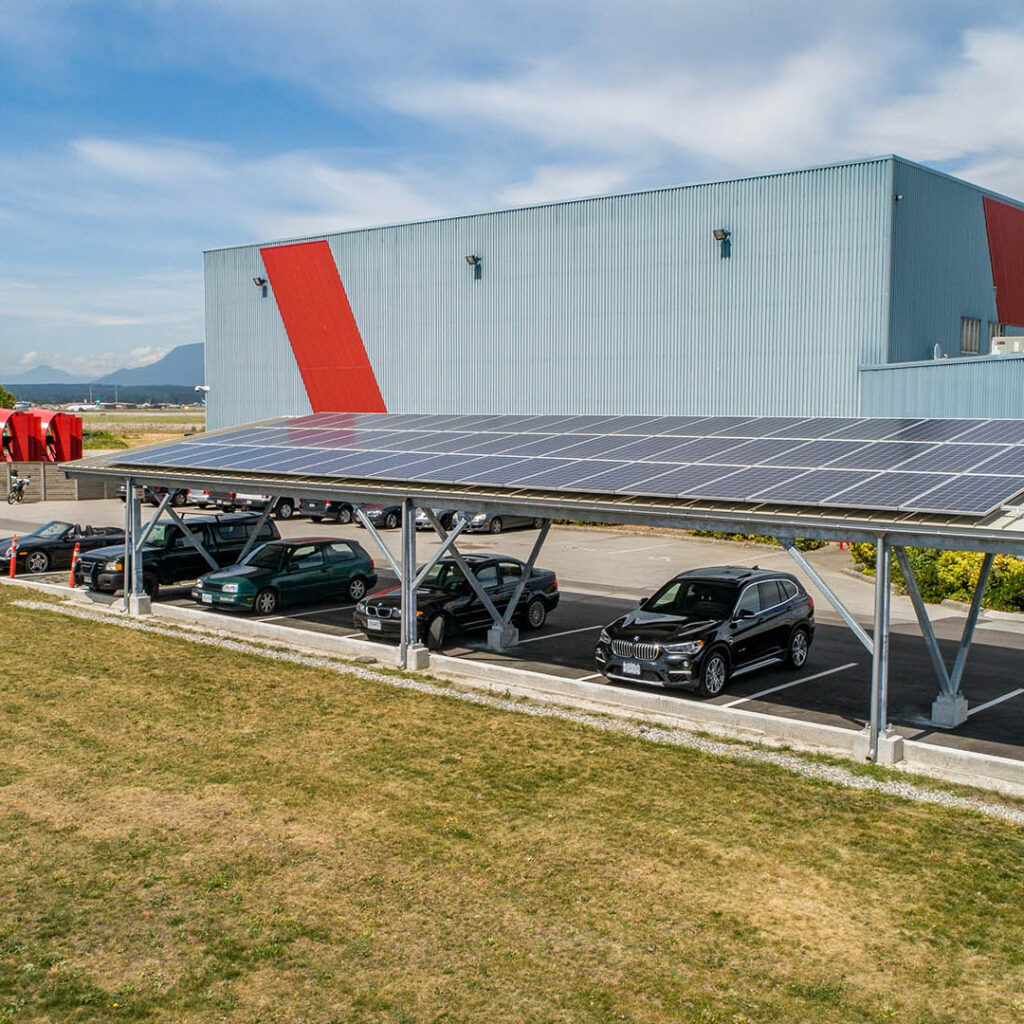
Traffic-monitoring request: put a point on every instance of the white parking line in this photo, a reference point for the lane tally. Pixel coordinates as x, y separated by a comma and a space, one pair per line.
586, 679
997, 700
308, 611
786, 686
633, 551
568, 632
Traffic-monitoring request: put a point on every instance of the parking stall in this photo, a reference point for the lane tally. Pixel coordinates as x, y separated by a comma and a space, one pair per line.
895, 483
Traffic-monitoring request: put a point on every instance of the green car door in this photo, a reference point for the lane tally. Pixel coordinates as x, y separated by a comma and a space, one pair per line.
304, 576
342, 565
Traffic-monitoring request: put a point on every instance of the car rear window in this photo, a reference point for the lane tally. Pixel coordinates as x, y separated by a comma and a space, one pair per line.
340, 551
769, 594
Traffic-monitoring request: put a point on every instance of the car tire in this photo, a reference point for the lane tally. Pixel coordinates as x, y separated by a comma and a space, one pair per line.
438, 632
284, 509
179, 498
446, 522
496, 525
536, 613
537, 522
266, 602
357, 588
37, 561
714, 673
799, 648
345, 515
391, 522
315, 519
151, 585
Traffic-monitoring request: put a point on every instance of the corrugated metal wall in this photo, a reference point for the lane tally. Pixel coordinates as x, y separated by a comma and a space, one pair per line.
988, 386
619, 305
941, 265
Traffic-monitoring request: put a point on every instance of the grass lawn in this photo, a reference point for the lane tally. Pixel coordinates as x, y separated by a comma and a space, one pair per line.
189, 834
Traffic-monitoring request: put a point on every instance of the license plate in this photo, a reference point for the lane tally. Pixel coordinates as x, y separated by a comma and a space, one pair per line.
207, 598
630, 668
373, 624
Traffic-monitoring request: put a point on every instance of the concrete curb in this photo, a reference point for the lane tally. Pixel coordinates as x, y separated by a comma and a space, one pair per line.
965, 767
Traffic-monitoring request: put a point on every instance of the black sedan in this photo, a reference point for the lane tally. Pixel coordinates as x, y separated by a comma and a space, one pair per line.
704, 626
52, 545
447, 604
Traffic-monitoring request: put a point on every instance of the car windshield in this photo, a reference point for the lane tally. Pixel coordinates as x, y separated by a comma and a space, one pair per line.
445, 576
52, 530
707, 599
160, 535
268, 556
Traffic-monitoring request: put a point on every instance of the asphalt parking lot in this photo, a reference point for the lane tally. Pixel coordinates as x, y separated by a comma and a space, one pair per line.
603, 572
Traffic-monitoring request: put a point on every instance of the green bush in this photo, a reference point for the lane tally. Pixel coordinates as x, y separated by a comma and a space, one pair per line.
953, 575
802, 543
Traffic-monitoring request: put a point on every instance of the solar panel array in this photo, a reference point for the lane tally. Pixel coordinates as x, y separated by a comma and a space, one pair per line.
958, 466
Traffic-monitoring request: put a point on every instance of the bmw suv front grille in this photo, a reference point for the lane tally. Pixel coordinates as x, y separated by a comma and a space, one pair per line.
382, 611
642, 652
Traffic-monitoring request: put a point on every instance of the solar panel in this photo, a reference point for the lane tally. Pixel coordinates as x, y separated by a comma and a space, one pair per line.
811, 488
966, 467
893, 490
971, 495
882, 455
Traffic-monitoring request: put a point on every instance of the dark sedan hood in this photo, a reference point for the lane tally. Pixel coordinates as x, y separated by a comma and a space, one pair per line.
654, 626
392, 598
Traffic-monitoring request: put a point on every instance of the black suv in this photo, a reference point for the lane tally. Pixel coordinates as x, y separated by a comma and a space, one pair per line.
706, 625
167, 557
446, 603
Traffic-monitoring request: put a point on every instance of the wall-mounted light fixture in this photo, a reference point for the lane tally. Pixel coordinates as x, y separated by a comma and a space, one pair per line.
722, 237
261, 283
474, 262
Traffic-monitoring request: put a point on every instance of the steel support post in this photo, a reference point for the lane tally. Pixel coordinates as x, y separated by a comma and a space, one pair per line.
412, 654
141, 539
136, 600
880, 657
128, 540
379, 541
521, 586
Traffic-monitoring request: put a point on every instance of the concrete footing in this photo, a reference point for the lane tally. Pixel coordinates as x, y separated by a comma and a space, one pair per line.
140, 605
417, 658
949, 710
501, 638
890, 746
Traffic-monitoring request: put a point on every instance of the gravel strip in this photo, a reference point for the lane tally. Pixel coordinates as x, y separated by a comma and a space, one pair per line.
833, 774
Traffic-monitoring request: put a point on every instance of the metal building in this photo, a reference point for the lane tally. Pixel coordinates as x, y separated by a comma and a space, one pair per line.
826, 291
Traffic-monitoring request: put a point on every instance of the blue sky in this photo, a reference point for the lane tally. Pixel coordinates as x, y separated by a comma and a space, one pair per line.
136, 133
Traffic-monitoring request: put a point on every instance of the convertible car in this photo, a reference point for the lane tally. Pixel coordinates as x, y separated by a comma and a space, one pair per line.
52, 545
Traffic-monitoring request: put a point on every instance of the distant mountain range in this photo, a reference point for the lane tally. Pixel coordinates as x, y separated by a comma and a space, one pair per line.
183, 366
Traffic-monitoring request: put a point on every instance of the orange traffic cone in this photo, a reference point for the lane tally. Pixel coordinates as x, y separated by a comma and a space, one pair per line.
74, 563
14, 557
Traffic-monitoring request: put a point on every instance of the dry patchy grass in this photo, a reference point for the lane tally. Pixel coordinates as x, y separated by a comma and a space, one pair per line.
196, 835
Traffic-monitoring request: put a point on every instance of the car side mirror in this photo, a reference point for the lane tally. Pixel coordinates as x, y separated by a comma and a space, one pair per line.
292, 567
641, 602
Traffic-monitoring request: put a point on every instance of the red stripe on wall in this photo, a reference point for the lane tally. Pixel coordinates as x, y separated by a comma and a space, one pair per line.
321, 328
1005, 225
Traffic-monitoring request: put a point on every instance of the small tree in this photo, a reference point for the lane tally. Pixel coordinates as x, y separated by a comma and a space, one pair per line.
7, 400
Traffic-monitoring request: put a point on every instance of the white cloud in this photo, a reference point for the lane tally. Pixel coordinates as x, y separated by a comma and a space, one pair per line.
550, 182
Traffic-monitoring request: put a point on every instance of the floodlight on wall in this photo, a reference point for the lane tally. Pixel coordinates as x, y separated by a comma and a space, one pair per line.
722, 237
474, 262
261, 283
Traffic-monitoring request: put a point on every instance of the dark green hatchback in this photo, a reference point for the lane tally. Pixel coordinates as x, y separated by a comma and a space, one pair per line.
290, 572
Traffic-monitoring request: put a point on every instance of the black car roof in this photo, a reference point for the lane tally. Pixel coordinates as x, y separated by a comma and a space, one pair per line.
734, 574
294, 542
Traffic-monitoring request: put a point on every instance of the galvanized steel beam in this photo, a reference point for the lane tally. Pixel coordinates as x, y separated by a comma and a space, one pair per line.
191, 539
521, 586
880, 655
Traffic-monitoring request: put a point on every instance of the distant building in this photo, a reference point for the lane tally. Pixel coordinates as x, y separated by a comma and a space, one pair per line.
820, 292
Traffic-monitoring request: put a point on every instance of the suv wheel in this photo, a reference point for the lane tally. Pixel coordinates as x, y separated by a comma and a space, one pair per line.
714, 674
285, 509
357, 588
265, 603
344, 515
536, 613
496, 524
179, 498
391, 522
799, 648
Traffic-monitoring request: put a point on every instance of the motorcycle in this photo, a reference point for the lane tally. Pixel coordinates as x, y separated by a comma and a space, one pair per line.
17, 491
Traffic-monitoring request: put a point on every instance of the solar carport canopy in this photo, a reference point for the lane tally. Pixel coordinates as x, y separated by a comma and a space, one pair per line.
950, 482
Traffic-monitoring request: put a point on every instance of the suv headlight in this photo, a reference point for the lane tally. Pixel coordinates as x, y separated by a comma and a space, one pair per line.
604, 638
115, 566
690, 647
480, 517
360, 606
229, 588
